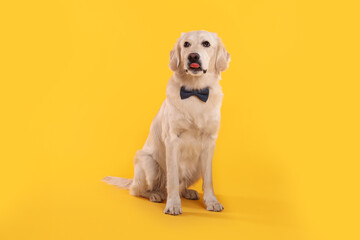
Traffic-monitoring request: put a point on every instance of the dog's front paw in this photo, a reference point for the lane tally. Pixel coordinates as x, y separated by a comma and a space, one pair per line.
212, 204
173, 207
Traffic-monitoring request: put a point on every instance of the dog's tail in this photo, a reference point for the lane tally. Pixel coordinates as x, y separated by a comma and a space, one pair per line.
118, 181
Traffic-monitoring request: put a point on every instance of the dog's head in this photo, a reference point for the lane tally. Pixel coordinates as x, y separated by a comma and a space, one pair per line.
198, 53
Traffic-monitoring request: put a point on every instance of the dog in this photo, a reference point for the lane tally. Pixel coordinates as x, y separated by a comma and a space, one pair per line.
181, 143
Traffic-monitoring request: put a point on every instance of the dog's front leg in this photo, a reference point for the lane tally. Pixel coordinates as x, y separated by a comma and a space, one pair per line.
211, 202
173, 203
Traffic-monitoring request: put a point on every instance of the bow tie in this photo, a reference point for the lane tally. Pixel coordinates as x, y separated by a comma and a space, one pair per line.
202, 94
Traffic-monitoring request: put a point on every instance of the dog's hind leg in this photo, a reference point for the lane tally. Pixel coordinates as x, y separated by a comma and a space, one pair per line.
138, 186
148, 179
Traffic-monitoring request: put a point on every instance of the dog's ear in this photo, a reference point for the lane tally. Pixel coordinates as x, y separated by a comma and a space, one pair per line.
175, 56
222, 57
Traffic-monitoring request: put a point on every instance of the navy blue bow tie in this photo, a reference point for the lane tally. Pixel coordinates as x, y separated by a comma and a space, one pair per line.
202, 94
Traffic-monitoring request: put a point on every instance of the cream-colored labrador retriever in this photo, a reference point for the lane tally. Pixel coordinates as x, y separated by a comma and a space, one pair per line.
181, 143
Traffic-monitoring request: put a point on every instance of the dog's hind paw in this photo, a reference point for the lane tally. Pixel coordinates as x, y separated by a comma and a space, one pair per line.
156, 197
190, 194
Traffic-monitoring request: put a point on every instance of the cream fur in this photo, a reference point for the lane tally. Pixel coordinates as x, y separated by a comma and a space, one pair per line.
181, 143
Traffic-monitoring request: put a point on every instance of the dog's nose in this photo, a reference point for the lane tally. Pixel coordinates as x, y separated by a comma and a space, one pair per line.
193, 57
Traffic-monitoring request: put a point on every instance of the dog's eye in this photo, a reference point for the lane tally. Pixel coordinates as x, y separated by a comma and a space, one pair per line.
187, 44
205, 44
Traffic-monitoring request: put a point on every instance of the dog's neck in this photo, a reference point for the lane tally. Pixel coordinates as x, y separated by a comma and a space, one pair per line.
196, 82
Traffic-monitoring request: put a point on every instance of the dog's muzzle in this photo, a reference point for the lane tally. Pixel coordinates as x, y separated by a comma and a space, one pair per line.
194, 63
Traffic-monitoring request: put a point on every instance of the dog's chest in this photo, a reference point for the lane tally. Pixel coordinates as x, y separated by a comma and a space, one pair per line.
195, 131
199, 119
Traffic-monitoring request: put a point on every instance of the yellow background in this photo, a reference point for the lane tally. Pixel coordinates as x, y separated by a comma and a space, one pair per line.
82, 80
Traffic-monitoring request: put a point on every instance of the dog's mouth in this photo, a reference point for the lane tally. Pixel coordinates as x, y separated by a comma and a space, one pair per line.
195, 67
